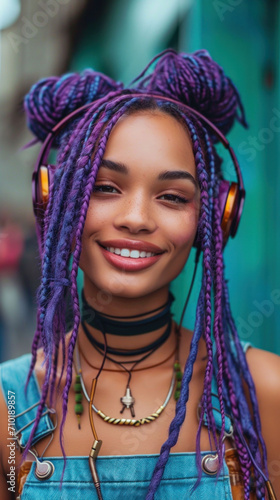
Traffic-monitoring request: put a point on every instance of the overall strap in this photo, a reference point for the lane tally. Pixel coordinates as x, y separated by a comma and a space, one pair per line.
13, 375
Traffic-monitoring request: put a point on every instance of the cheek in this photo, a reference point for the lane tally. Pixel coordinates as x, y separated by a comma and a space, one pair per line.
183, 230
96, 218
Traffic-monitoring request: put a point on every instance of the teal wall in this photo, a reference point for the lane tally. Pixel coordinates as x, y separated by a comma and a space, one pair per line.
243, 36
245, 40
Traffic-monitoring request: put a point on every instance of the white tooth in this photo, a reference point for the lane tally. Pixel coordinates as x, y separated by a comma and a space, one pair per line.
143, 254
117, 251
125, 252
149, 254
134, 254
111, 249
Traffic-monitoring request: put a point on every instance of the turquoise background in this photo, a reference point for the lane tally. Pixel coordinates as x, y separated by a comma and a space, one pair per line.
243, 37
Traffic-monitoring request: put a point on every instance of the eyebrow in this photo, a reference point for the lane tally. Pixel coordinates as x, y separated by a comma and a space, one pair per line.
163, 176
177, 174
116, 166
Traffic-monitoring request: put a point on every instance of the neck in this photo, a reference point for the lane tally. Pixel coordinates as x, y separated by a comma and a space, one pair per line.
120, 305
130, 307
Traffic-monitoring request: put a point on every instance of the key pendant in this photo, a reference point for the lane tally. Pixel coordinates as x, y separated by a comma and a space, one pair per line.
128, 402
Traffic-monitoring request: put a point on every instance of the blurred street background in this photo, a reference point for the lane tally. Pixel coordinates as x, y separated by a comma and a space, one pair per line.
39, 38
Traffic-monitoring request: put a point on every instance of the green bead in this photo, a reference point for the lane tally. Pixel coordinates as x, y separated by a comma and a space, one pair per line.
177, 395
178, 384
177, 366
78, 397
79, 409
77, 387
178, 375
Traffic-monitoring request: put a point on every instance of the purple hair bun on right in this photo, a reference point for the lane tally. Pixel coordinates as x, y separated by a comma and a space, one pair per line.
53, 98
198, 81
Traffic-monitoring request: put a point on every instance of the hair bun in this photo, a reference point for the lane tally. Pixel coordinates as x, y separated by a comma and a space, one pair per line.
51, 99
198, 81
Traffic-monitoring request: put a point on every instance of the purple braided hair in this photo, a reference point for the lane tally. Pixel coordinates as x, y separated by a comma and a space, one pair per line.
192, 79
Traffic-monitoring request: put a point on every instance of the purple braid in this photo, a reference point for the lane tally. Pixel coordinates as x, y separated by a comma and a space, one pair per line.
76, 257
38, 332
253, 432
246, 373
217, 326
212, 183
218, 250
206, 184
205, 229
47, 304
244, 458
218, 333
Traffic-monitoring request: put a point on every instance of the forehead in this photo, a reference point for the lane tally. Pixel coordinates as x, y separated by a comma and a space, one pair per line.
151, 139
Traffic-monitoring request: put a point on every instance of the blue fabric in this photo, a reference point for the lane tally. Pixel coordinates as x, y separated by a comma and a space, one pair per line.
127, 478
122, 477
13, 375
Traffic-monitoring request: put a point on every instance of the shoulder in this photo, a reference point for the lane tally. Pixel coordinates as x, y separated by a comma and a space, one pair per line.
13, 374
265, 370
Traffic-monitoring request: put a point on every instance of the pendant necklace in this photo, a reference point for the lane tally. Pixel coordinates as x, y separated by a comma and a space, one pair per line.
128, 401
132, 326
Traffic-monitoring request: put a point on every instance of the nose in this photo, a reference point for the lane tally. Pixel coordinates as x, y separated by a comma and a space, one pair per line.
136, 215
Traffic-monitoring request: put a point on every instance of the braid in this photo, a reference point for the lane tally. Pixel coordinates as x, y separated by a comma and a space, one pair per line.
221, 352
80, 180
206, 298
252, 432
206, 184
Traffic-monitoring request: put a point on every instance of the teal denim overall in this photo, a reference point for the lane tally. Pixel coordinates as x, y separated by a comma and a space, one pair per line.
122, 477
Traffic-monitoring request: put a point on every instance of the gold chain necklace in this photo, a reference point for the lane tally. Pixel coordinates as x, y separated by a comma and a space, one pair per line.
124, 421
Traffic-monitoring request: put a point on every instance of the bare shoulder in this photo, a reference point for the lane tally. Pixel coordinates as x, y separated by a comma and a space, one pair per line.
265, 369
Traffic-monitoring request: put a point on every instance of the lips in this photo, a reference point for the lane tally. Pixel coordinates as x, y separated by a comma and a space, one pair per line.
130, 255
133, 254
131, 245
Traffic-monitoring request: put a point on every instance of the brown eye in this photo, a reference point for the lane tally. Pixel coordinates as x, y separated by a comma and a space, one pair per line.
104, 188
174, 198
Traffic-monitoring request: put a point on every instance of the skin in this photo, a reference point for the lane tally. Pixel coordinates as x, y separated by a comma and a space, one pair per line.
137, 206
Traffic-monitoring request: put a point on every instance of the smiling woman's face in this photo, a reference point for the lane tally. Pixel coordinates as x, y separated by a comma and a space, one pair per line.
143, 213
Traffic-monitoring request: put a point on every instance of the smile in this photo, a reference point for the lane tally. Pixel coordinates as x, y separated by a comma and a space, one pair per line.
133, 254
124, 256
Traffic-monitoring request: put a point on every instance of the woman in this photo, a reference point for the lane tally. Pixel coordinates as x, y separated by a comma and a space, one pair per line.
137, 183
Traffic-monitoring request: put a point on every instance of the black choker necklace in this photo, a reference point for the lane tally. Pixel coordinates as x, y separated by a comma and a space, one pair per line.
115, 326
129, 352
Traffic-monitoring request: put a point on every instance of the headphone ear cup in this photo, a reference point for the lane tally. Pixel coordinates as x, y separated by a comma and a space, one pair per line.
41, 182
43, 185
229, 201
